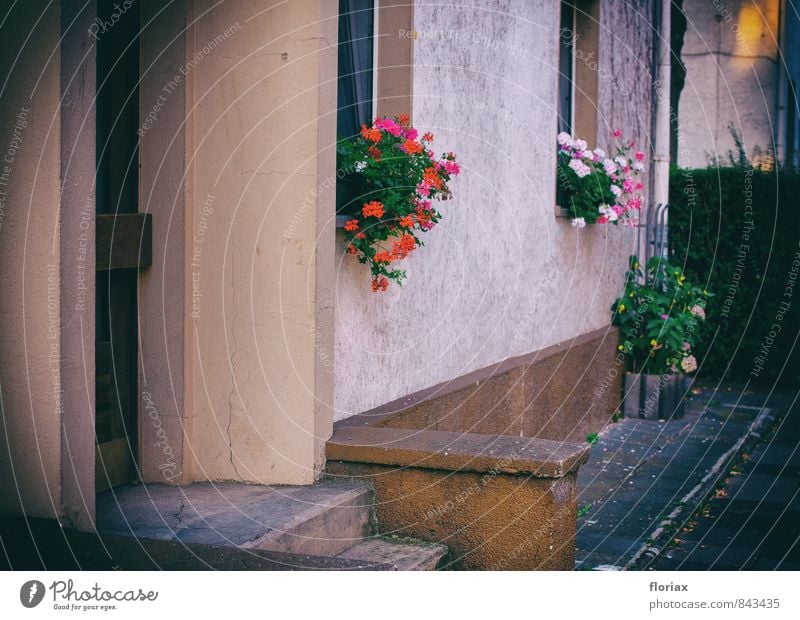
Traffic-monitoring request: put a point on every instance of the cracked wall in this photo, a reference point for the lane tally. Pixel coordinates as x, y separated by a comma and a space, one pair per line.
261, 125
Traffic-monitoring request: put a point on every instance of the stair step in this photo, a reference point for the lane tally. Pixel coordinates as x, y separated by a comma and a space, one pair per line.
322, 519
402, 555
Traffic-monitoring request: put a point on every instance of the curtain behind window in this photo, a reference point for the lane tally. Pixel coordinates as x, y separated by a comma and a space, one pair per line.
356, 25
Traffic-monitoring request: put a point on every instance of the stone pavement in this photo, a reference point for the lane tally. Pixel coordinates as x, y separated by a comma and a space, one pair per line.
646, 479
752, 520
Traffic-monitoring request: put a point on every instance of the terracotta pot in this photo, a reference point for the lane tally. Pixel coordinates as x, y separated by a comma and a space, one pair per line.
654, 397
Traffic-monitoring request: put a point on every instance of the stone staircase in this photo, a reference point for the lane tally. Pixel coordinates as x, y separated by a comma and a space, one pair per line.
330, 519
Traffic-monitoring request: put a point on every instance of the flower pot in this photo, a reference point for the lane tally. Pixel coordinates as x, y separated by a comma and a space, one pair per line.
654, 397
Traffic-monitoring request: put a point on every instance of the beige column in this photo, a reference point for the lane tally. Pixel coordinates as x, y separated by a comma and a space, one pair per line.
31, 404
259, 256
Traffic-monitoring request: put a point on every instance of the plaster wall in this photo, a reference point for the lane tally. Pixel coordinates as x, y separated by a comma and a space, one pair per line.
30, 315
500, 276
261, 120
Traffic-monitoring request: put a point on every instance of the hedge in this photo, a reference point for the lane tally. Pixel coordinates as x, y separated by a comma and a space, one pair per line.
736, 231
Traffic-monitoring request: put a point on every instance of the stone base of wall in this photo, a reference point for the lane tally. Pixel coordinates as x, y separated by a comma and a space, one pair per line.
497, 502
563, 392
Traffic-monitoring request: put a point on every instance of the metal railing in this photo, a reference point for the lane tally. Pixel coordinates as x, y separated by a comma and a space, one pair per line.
656, 233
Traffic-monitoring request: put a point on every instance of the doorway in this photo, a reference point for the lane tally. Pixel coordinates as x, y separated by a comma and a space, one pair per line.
119, 233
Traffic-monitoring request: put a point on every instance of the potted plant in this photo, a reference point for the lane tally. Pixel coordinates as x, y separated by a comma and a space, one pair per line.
659, 316
599, 189
392, 177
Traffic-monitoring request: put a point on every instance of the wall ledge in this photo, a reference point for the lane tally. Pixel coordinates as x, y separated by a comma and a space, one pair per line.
540, 458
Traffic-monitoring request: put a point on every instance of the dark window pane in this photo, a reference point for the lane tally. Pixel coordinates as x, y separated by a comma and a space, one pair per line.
566, 37
356, 24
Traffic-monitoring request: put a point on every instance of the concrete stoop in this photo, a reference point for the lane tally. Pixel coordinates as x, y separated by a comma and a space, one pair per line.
329, 519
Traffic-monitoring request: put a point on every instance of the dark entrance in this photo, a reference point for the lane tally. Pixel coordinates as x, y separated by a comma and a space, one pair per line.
123, 242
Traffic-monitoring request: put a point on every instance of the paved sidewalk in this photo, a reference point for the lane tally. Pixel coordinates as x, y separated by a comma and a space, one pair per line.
752, 521
645, 479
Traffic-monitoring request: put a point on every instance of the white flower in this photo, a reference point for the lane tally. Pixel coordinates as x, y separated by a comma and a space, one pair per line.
621, 161
609, 166
564, 139
609, 213
579, 167
360, 165
638, 166
580, 145
579, 222
616, 190
600, 153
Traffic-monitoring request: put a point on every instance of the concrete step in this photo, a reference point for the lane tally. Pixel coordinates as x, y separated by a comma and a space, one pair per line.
402, 555
322, 519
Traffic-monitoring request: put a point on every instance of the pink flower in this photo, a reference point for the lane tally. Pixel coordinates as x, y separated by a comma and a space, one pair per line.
387, 124
698, 312
689, 363
639, 156
423, 190
411, 134
664, 317
627, 186
617, 133
451, 167
579, 168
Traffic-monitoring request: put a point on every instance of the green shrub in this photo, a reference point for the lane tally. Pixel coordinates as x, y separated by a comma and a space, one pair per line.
736, 232
659, 315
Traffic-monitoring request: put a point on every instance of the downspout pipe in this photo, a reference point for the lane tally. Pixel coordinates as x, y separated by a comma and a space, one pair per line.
783, 94
662, 111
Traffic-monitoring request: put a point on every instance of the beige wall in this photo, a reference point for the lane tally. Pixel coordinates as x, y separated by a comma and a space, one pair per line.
500, 276
261, 130
731, 78
30, 436
164, 373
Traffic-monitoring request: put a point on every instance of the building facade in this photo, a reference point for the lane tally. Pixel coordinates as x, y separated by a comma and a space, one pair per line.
201, 137
740, 59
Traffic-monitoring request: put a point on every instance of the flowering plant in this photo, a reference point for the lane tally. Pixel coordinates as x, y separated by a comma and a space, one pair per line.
596, 188
658, 316
397, 175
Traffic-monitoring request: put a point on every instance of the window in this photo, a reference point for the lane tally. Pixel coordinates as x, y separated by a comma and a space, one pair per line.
578, 68
375, 71
565, 67
356, 65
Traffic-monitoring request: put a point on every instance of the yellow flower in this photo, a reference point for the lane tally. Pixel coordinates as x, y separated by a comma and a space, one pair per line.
631, 295
682, 278
621, 308
653, 342
621, 348
635, 265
